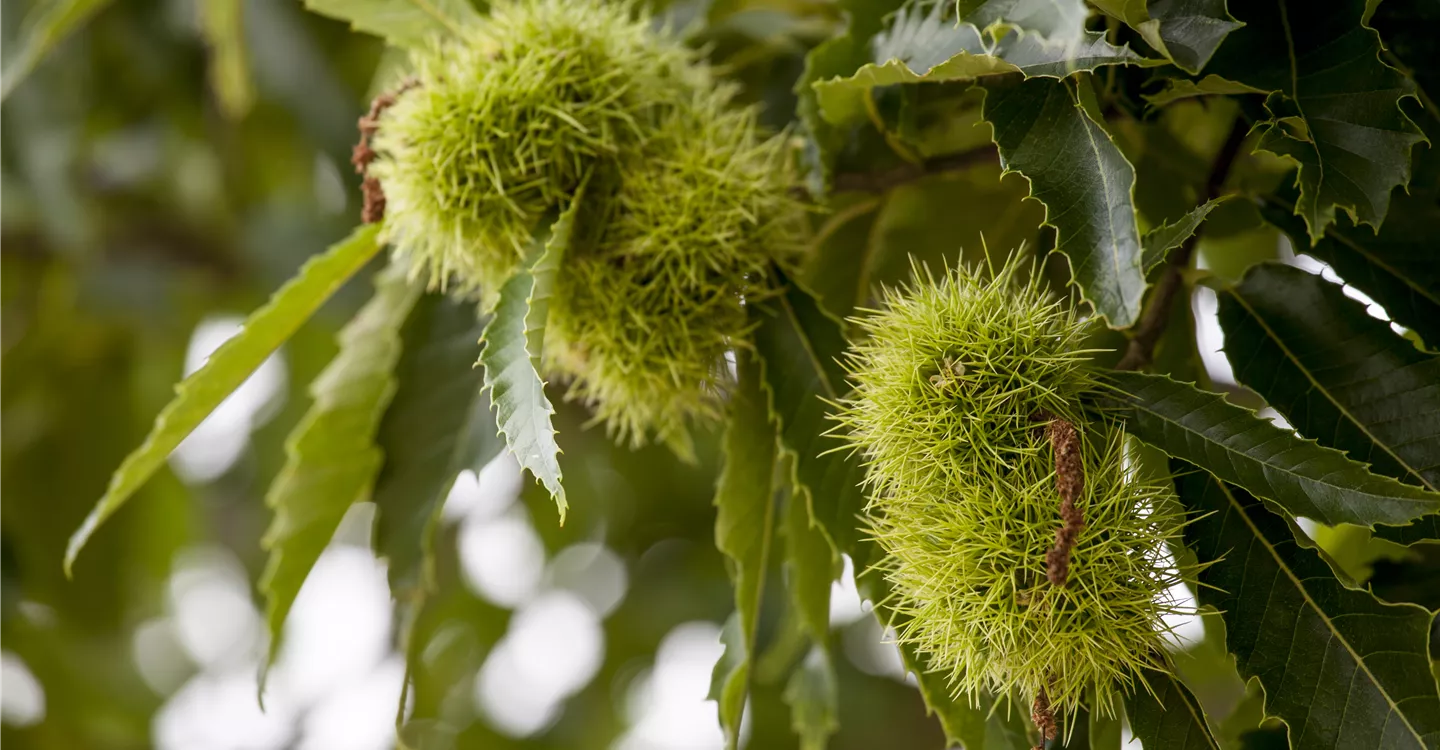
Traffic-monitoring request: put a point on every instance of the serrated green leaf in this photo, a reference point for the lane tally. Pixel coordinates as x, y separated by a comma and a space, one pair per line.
203, 390
1239, 447
1083, 180
811, 566
1186, 31
799, 346
730, 680
1335, 105
1341, 668
438, 424
745, 525
1168, 715
1395, 266
1057, 20
1211, 85
222, 23
513, 341
923, 42
839, 56
1166, 237
50, 23
404, 23
813, 694
1339, 375
1334, 372
331, 456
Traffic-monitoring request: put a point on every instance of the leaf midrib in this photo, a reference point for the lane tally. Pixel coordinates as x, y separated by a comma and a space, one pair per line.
1309, 601
1232, 451
1289, 355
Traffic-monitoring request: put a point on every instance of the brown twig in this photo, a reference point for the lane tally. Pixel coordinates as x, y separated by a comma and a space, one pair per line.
1146, 334
884, 181
1044, 718
1070, 484
373, 208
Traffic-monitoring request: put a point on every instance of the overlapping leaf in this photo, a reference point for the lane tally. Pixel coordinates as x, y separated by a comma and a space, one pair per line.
811, 565
1335, 105
1186, 31
1334, 372
331, 457
52, 22
745, 522
1341, 668
438, 424
1237, 446
1395, 266
1176, 89
923, 42
1083, 180
513, 340
404, 23
198, 395
1168, 715
799, 346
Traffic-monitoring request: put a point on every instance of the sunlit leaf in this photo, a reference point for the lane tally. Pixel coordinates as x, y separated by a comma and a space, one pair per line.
1176, 89
331, 457
1341, 668
198, 395
1237, 446
1083, 180
514, 339
52, 22
405, 23
924, 43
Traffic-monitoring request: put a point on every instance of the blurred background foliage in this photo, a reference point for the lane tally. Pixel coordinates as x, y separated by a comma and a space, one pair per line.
173, 161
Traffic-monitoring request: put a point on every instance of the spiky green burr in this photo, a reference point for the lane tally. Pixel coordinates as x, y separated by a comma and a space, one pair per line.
955, 378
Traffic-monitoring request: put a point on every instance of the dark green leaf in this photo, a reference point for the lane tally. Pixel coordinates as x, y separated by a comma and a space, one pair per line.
745, 523
222, 22
813, 693
1334, 372
924, 43
1336, 106
1083, 180
198, 395
405, 23
1396, 267
51, 22
1186, 31
844, 253
1166, 237
1232, 443
1341, 668
331, 457
438, 424
1168, 715
799, 346
514, 339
